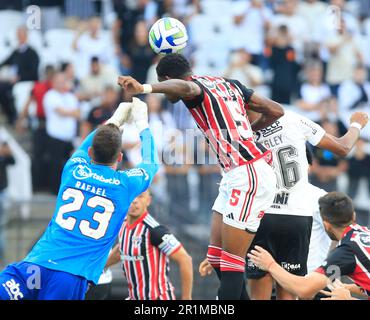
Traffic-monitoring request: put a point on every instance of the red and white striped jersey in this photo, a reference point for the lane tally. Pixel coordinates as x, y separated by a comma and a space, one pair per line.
351, 257
220, 113
145, 247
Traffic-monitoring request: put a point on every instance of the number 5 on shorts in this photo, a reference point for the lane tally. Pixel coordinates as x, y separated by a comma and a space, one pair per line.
235, 197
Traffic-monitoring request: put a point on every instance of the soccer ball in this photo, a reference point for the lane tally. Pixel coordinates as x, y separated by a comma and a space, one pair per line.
168, 35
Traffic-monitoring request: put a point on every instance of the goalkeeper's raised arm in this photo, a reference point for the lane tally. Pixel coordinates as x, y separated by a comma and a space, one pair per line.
140, 178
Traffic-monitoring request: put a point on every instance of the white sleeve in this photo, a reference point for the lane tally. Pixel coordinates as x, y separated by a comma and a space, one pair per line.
48, 102
311, 130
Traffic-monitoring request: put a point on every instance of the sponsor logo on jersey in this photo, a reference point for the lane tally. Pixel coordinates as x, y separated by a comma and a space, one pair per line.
132, 258
314, 130
78, 160
137, 173
82, 172
291, 266
268, 131
13, 290
251, 265
230, 216
281, 198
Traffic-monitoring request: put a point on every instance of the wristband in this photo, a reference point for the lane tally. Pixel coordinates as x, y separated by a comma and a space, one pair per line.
147, 88
356, 125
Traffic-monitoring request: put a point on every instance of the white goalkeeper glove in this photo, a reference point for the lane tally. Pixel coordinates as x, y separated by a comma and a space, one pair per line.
140, 114
121, 115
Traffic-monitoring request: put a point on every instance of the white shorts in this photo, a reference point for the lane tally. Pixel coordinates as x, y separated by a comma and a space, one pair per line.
245, 193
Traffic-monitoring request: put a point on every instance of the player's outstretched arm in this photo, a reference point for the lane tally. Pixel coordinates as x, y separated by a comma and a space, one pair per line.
343, 145
270, 111
140, 178
303, 287
172, 87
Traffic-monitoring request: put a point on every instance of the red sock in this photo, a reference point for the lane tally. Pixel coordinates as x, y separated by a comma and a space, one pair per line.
232, 277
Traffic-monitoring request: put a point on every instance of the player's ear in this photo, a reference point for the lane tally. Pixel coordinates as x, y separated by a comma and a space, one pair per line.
327, 225
90, 152
354, 216
149, 199
120, 157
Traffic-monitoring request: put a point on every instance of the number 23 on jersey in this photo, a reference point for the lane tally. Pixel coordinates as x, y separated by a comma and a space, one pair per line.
72, 208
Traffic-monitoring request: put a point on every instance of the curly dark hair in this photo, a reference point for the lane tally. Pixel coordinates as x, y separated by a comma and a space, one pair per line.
173, 65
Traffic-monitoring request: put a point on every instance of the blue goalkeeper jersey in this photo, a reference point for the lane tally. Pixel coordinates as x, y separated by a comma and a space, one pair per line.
91, 205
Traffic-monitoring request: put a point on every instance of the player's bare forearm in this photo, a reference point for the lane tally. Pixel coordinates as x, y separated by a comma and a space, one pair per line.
114, 257
340, 146
303, 287
173, 87
185, 263
177, 87
270, 111
343, 145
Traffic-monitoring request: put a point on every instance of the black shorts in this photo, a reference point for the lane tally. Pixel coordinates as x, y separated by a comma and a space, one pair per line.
287, 238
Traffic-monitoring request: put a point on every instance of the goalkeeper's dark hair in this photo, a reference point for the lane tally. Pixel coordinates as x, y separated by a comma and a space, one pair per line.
106, 144
173, 65
337, 209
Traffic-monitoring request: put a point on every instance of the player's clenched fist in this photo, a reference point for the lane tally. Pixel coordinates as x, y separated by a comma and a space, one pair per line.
130, 84
205, 268
139, 114
360, 117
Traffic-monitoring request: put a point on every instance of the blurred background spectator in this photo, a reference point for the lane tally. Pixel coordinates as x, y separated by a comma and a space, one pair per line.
284, 66
327, 167
101, 113
23, 63
314, 95
345, 54
251, 20
240, 68
40, 155
62, 112
6, 159
354, 95
359, 169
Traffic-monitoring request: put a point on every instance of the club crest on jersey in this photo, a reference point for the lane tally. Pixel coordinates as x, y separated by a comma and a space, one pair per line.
136, 241
364, 239
268, 131
207, 83
82, 172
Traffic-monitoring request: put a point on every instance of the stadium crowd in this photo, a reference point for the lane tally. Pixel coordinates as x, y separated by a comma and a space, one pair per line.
58, 80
